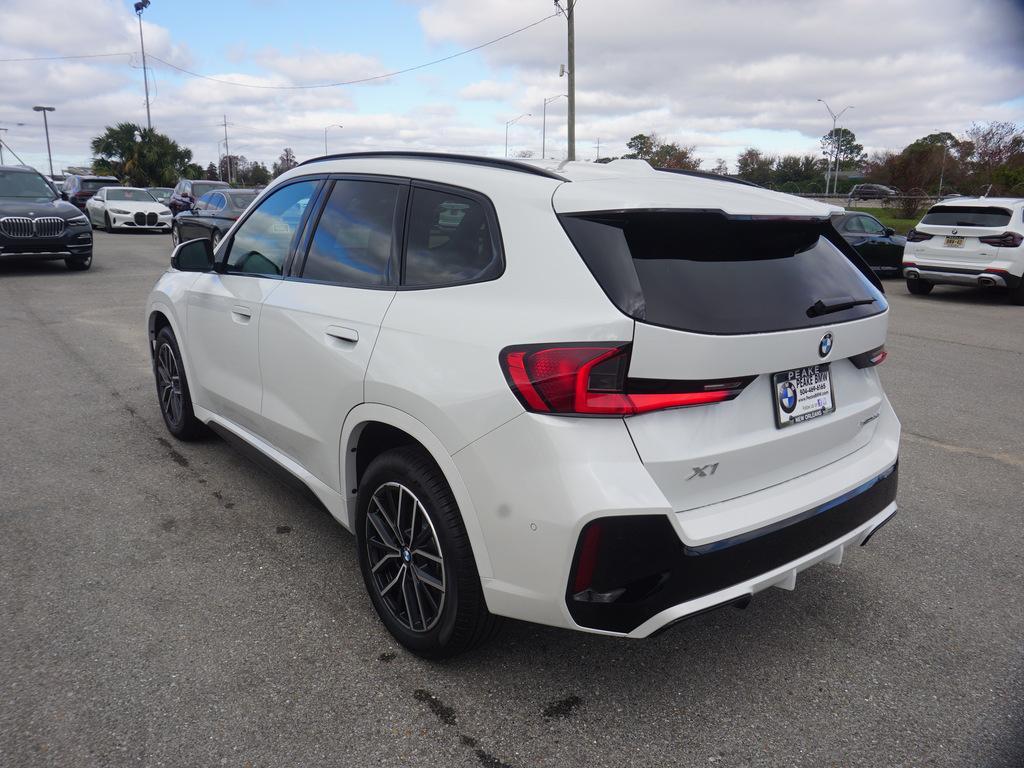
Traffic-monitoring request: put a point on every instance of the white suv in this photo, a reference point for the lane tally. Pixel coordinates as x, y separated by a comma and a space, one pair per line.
600, 397
968, 241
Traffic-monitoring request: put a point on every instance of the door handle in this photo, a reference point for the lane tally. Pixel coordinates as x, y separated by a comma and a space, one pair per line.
340, 333
241, 314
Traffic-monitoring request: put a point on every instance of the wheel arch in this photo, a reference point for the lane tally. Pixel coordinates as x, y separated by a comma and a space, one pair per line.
371, 428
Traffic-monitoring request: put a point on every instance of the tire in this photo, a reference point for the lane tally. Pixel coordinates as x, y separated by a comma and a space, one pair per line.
79, 263
172, 389
919, 287
175, 236
424, 586
107, 226
1017, 294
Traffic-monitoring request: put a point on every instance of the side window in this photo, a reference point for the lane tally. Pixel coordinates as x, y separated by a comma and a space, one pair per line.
261, 244
871, 226
352, 242
217, 202
852, 224
450, 240
203, 202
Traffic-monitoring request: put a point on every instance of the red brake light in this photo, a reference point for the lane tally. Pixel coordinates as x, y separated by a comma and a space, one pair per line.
913, 236
1005, 240
590, 379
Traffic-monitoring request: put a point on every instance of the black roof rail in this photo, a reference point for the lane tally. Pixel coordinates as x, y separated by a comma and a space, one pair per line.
709, 175
491, 162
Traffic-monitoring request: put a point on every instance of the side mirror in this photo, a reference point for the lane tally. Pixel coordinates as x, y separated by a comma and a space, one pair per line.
889, 231
63, 195
193, 256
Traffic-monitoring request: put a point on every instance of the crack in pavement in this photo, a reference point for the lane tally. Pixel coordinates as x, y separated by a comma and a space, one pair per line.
1004, 457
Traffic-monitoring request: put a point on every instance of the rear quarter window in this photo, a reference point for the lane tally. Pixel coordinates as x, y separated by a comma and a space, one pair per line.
709, 273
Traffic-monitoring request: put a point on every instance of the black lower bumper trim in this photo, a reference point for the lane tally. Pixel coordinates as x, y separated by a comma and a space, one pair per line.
641, 561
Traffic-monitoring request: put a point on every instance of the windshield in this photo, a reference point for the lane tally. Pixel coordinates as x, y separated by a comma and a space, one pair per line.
709, 273
136, 195
91, 185
200, 188
967, 216
24, 184
160, 191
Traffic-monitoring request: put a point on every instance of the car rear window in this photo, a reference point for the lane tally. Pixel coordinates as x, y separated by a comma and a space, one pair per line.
967, 216
91, 185
710, 273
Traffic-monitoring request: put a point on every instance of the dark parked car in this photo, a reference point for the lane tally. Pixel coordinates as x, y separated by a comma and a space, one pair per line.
80, 188
188, 191
878, 245
212, 216
873, 192
35, 223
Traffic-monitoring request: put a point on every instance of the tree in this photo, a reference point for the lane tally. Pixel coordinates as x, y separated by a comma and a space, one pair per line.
193, 171
229, 167
140, 156
721, 167
211, 172
661, 154
523, 154
285, 162
851, 154
255, 175
753, 165
995, 154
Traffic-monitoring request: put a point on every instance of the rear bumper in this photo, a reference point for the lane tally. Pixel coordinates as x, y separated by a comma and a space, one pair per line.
979, 278
646, 578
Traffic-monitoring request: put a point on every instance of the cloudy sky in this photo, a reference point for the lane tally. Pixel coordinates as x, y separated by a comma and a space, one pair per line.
721, 75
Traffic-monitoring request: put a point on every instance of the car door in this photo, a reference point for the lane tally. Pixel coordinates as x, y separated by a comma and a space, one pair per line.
319, 327
195, 220
224, 306
878, 248
211, 218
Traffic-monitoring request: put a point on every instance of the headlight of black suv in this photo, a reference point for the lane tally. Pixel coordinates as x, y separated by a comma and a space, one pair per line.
76, 221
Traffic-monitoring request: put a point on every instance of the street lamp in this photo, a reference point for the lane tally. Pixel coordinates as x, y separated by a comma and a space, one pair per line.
139, 8
332, 125
46, 127
544, 129
835, 142
512, 122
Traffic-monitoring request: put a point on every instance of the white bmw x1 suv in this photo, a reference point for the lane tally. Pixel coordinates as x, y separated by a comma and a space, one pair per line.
601, 397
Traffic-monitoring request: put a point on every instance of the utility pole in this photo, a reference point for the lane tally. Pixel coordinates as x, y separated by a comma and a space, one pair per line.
598, 146
227, 150
2, 146
139, 8
570, 71
46, 127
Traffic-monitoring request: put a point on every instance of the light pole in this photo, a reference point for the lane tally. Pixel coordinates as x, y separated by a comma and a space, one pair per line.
139, 8
2, 146
332, 125
942, 169
46, 127
835, 142
544, 128
511, 122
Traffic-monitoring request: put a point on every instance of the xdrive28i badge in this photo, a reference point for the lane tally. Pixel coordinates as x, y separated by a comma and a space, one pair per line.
825, 345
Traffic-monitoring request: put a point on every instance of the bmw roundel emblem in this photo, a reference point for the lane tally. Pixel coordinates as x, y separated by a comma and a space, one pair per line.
787, 396
825, 345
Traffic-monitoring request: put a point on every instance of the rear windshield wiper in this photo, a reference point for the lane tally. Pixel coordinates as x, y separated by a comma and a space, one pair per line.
835, 304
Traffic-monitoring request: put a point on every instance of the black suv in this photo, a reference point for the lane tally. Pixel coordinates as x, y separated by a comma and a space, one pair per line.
188, 191
35, 223
78, 189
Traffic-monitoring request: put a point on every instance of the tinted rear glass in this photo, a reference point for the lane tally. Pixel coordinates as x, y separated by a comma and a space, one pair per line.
966, 216
708, 273
200, 188
91, 185
241, 201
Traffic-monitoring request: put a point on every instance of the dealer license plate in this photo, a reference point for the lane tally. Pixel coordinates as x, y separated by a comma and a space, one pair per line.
802, 394
954, 242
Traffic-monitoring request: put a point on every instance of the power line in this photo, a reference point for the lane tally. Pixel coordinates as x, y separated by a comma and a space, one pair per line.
359, 80
62, 58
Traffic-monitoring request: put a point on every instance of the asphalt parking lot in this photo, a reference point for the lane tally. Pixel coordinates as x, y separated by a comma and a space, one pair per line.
165, 604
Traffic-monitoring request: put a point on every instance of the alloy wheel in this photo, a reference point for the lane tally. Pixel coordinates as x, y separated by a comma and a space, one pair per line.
168, 381
405, 558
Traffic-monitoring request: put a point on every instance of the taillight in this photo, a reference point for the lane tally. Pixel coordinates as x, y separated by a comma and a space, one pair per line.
913, 236
1005, 240
871, 358
590, 379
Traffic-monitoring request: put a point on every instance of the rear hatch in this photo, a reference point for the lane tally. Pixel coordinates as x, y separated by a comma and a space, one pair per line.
955, 233
775, 310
